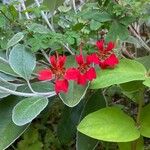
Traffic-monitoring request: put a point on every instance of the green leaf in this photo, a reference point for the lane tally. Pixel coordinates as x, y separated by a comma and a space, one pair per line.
6, 77
145, 122
117, 31
38, 28
15, 39
109, 124
7, 85
95, 25
9, 132
70, 117
37, 87
74, 95
145, 61
132, 89
128, 145
52, 5
147, 82
126, 71
94, 102
5, 68
28, 109
22, 61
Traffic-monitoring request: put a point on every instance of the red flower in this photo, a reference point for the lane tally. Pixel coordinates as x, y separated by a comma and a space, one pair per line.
83, 73
57, 72
105, 54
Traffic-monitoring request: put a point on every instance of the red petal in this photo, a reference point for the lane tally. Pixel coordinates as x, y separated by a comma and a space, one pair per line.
110, 46
93, 58
45, 74
102, 64
79, 59
110, 62
53, 61
91, 74
82, 79
100, 45
72, 74
61, 86
61, 60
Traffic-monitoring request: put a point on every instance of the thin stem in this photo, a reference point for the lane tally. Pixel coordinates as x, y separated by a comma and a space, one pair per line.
139, 38
45, 55
30, 87
140, 104
44, 16
24, 8
4, 60
48, 94
74, 6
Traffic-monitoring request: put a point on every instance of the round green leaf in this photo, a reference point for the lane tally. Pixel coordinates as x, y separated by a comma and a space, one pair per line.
145, 122
109, 124
9, 132
74, 95
15, 39
28, 109
22, 61
126, 71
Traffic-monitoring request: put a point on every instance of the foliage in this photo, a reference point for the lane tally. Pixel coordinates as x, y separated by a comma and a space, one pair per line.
102, 100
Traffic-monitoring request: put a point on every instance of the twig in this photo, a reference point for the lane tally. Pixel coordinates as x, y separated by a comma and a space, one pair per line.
24, 8
139, 38
45, 55
48, 94
44, 16
74, 6
4, 60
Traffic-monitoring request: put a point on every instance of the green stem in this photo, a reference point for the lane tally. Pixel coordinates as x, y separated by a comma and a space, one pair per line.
138, 121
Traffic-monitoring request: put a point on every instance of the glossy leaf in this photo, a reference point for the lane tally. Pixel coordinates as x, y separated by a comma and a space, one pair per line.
109, 124
145, 122
94, 102
28, 109
128, 145
147, 82
9, 132
126, 71
15, 39
132, 89
22, 61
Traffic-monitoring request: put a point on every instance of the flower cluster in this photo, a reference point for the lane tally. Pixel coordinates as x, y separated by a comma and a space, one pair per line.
84, 72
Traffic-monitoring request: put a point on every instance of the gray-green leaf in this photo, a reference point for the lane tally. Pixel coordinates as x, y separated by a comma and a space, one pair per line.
22, 61
28, 109
74, 95
9, 132
15, 39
